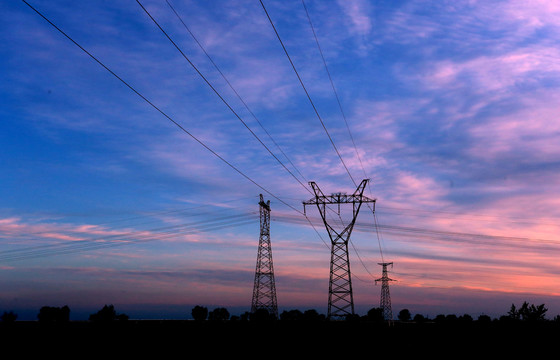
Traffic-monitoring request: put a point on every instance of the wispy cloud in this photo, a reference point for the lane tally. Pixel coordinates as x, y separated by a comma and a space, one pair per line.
358, 13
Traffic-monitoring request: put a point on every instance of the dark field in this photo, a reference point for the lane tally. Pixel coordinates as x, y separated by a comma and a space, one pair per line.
169, 339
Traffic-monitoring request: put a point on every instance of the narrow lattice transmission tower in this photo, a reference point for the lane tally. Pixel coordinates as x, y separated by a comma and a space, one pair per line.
385, 302
341, 300
264, 290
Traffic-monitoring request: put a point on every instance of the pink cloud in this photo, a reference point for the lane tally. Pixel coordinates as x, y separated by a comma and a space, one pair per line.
357, 12
411, 188
532, 14
532, 132
495, 73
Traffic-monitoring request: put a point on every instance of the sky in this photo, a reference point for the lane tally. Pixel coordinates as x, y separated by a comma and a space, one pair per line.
137, 136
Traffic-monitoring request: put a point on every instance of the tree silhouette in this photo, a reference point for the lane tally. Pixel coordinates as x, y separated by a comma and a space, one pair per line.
526, 312
199, 313
218, 314
531, 312
484, 319
261, 315
54, 315
404, 315
107, 314
291, 315
375, 315
312, 315
513, 314
9, 317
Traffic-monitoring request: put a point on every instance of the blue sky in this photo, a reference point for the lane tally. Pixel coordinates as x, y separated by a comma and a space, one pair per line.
451, 109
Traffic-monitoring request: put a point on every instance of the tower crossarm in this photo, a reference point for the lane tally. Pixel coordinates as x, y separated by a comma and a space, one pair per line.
338, 199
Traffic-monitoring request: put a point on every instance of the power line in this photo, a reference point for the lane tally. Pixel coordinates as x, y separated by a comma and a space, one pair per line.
457, 215
235, 91
158, 109
105, 237
232, 110
143, 216
436, 234
240, 98
306, 92
217, 93
333, 87
127, 238
345, 121
170, 118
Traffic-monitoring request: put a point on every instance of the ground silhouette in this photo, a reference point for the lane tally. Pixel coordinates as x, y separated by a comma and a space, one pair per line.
521, 329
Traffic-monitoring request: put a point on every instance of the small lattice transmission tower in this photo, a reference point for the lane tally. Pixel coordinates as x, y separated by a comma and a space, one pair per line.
264, 290
341, 299
385, 302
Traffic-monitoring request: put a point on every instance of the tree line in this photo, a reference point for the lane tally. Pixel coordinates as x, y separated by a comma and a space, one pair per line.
60, 315
524, 313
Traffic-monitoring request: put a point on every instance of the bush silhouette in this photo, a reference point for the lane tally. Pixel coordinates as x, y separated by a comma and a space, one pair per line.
9, 317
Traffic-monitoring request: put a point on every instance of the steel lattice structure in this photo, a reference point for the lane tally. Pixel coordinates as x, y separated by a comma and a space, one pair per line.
385, 301
264, 290
341, 299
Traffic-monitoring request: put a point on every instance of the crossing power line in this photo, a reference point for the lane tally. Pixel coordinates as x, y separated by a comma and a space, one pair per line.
129, 237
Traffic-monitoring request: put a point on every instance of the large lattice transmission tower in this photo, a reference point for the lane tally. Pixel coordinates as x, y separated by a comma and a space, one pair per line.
264, 290
341, 300
385, 301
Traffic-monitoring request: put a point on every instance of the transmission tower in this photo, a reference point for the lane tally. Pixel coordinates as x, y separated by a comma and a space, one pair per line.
385, 302
341, 300
264, 290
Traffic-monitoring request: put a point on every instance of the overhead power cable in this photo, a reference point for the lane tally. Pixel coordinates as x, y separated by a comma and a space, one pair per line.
333, 87
143, 216
343, 116
159, 110
127, 238
306, 92
217, 93
494, 240
235, 91
226, 103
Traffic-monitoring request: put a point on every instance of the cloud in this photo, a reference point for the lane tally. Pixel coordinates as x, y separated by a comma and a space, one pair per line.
503, 73
357, 12
530, 136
